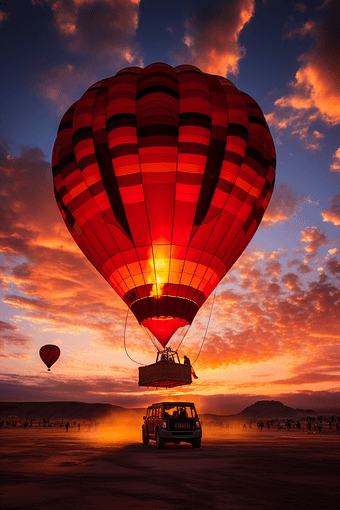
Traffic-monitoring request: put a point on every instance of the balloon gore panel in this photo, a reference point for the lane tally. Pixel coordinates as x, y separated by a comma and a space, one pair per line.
162, 176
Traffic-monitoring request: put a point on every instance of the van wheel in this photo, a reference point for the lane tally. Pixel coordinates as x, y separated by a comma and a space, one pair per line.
159, 441
145, 436
196, 443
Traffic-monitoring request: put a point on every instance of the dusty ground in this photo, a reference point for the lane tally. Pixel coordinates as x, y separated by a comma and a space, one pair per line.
50, 469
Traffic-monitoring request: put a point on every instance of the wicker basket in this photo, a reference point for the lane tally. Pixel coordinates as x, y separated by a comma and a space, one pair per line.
165, 374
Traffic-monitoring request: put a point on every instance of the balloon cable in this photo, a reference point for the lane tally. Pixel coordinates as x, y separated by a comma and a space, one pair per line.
206, 329
128, 355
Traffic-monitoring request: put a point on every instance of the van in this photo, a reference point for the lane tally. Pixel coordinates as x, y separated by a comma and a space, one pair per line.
172, 422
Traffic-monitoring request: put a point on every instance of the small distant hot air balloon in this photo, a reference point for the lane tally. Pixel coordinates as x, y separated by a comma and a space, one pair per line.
49, 354
162, 176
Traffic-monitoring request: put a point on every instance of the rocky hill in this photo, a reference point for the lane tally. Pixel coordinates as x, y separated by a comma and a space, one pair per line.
273, 409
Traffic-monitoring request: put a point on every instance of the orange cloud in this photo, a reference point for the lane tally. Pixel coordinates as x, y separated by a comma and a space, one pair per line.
10, 339
284, 205
4, 16
64, 84
315, 239
105, 29
211, 40
333, 213
335, 166
46, 278
315, 92
302, 268
333, 266
277, 313
300, 6
310, 140
102, 30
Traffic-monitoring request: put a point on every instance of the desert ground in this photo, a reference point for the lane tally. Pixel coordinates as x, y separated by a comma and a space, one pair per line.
107, 467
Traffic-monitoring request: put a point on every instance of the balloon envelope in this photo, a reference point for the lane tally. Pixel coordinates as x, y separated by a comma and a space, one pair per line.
49, 354
162, 176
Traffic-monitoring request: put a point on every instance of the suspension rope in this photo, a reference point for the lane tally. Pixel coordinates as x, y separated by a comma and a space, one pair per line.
126, 318
206, 329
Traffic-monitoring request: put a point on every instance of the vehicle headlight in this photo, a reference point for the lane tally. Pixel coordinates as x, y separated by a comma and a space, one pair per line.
164, 424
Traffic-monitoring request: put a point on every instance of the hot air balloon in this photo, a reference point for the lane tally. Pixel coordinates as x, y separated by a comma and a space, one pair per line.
49, 354
162, 176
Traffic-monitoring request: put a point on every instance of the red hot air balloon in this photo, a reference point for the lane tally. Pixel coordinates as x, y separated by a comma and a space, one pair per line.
49, 354
162, 176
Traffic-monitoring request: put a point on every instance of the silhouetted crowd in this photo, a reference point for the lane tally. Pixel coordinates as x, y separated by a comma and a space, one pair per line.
24, 423
312, 424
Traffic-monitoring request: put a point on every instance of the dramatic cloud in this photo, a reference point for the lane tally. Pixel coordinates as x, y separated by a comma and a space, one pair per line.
64, 84
315, 239
102, 33
300, 6
211, 40
309, 140
315, 92
11, 338
53, 280
105, 29
284, 205
335, 166
4, 16
333, 266
277, 312
333, 213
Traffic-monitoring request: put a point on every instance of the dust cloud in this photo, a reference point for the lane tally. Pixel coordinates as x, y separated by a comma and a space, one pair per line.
118, 428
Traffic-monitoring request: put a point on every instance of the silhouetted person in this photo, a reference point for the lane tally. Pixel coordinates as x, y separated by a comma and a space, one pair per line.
186, 360
67, 426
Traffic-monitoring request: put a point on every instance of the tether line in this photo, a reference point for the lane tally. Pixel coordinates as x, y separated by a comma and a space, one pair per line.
128, 355
206, 329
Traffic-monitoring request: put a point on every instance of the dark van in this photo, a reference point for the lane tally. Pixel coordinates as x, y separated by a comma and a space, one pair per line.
172, 422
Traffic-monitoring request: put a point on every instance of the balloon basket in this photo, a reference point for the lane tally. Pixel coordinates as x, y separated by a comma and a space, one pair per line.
164, 374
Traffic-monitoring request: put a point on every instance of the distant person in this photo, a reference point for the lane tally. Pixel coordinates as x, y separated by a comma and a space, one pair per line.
186, 360
67, 426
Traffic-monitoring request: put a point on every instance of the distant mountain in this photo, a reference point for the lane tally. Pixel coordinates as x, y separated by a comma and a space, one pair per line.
273, 409
62, 409
263, 409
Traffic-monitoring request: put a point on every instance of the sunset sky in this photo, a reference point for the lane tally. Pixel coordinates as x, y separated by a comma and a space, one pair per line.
274, 331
